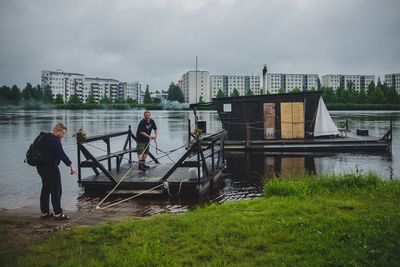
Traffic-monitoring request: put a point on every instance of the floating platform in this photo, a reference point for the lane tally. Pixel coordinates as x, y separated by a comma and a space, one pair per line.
351, 143
290, 122
192, 174
182, 182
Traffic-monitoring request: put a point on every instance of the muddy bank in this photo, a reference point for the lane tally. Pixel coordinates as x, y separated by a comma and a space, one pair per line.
20, 228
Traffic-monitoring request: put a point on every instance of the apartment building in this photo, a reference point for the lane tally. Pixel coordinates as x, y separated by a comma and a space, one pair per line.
68, 84
360, 82
131, 90
100, 87
63, 83
196, 84
393, 80
228, 83
288, 82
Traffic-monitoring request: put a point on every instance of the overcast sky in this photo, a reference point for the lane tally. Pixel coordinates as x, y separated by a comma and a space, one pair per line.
156, 41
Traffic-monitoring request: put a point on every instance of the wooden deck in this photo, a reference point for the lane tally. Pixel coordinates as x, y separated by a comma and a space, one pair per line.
351, 143
137, 181
191, 174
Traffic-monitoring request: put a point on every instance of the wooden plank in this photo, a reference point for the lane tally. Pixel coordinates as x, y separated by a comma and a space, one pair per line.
298, 120
286, 121
269, 120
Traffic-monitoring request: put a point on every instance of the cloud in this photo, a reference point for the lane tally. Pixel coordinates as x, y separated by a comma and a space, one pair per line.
156, 41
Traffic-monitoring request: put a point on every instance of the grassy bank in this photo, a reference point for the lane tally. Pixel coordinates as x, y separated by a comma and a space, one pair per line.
337, 220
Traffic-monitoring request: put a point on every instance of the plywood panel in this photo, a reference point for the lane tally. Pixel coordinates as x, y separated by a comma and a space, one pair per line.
269, 120
298, 120
286, 121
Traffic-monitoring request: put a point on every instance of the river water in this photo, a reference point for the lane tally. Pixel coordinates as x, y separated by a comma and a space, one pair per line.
245, 174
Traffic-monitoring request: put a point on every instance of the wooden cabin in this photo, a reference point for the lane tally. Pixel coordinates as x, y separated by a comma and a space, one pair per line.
269, 117
292, 122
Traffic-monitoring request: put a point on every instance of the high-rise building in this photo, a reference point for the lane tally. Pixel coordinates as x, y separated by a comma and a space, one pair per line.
288, 82
100, 87
360, 82
393, 80
63, 83
228, 83
68, 84
196, 85
132, 90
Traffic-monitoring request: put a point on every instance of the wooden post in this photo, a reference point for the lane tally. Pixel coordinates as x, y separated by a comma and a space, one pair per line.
189, 130
79, 160
108, 152
198, 159
212, 157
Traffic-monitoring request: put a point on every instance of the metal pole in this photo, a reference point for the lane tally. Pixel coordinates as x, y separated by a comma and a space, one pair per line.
196, 81
130, 144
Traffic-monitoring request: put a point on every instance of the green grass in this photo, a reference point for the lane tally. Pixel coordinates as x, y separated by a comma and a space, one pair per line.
350, 219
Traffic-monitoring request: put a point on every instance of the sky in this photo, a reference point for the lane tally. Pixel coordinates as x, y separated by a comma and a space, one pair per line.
156, 41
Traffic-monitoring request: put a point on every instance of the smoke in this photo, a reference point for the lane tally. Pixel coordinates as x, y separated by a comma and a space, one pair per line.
173, 105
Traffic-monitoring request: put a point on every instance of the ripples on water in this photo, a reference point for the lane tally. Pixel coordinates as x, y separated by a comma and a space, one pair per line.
244, 177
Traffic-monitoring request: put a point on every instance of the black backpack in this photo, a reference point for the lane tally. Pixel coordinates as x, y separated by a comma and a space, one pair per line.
35, 154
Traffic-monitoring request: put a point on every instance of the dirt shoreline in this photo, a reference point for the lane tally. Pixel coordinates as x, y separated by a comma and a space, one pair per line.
20, 228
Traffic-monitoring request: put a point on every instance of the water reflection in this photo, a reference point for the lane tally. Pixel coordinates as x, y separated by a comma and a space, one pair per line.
260, 166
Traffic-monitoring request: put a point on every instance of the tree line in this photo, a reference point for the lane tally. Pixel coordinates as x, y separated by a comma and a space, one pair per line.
30, 94
15, 96
375, 94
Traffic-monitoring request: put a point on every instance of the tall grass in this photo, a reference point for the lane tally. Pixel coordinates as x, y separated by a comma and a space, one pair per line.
312, 184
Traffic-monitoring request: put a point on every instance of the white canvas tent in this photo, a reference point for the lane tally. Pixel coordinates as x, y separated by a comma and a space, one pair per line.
324, 124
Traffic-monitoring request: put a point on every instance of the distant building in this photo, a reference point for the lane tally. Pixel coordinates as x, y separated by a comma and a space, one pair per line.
100, 87
288, 82
67, 84
361, 82
180, 84
393, 80
228, 83
63, 83
196, 84
131, 90
159, 96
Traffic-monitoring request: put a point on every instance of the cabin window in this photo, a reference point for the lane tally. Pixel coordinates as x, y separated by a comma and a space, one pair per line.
227, 108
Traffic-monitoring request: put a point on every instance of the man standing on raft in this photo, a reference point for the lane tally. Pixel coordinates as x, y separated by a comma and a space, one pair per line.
143, 138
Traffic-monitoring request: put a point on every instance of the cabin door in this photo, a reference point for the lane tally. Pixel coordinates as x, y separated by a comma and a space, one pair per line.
292, 120
269, 120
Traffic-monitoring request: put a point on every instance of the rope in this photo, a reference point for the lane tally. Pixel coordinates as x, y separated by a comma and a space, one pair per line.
180, 185
166, 186
129, 198
123, 177
254, 122
166, 154
107, 152
120, 180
